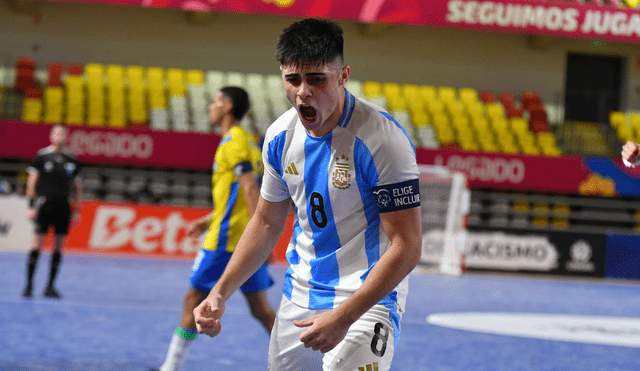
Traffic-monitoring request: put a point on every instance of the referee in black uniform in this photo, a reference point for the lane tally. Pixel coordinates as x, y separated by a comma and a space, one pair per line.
52, 175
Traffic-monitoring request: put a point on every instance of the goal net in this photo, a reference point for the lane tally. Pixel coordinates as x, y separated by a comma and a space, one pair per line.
445, 199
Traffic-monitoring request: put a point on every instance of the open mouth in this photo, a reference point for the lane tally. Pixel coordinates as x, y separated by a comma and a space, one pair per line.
308, 113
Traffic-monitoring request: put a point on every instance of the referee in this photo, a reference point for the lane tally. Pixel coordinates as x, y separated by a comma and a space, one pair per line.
52, 174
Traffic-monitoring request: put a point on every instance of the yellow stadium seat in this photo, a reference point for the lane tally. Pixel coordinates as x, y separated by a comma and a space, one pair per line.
371, 89
391, 90
195, 77
475, 109
540, 221
455, 107
560, 223
428, 93
520, 206
560, 209
31, 110
447, 94
176, 79
519, 125
94, 73
495, 110
135, 75
419, 119
435, 107
53, 104
468, 95
480, 124
411, 91
396, 103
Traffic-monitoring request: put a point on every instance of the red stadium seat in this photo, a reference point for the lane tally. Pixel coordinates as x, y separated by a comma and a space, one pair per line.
487, 96
507, 98
539, 126
55, 74
25, 63
75, 69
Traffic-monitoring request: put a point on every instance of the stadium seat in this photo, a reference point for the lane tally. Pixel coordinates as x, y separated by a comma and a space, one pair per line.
176, 82
487, 96
392, 91
520, 206
75, 100
157, 90
428, 93
447, 94
116, 97
53, 97
371, 89
236, 79
215, 81
94, 74
32, 105
54, 74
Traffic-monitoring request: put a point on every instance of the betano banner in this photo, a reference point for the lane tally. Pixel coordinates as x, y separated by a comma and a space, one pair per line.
118, 229
532, 17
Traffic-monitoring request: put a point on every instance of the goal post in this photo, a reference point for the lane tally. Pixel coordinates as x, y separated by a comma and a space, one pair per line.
445, 200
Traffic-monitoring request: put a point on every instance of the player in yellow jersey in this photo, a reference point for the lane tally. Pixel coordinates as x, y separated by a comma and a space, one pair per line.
237, 168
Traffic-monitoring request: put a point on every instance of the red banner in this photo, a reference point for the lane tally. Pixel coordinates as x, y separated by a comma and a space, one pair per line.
132, 147
144, 230
532, 17
565, 174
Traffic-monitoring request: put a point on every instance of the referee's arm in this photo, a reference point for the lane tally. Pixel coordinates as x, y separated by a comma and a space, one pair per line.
77, 201
32, 179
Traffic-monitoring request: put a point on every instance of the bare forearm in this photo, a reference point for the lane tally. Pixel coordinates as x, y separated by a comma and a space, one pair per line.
388, 272
253, 249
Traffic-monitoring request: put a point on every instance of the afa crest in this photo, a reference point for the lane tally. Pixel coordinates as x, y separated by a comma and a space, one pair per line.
341, 176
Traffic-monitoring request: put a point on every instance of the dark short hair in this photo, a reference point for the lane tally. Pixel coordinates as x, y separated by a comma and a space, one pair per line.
313, 41
239, 100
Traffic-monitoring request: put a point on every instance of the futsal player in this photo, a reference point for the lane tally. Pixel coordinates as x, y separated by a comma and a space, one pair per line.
630, 154
237, 167
351, 173
52, 173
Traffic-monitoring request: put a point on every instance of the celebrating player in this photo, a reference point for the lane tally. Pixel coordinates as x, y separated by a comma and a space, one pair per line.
51, 175
237, 165
351, 173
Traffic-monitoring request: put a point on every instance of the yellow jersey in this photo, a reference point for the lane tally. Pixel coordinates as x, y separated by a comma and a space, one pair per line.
237, 154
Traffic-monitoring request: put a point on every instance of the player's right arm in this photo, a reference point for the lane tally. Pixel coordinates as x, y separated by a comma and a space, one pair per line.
32, 179
257, 241
630, 154
199, 226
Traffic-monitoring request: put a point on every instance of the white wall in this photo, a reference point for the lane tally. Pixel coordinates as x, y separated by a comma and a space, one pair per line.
84, 33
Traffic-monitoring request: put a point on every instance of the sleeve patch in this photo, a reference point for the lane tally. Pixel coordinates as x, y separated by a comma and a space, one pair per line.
242, 168
397, 196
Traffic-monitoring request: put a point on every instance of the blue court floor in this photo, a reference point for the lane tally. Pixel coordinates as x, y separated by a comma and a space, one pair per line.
119, 314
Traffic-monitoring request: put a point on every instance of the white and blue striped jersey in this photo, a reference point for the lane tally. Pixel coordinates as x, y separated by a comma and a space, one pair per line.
339, 184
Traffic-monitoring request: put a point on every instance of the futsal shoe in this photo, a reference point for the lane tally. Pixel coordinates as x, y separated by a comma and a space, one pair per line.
27, 292
50, 292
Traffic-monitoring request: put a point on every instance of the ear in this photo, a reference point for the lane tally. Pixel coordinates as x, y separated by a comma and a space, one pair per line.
344, 75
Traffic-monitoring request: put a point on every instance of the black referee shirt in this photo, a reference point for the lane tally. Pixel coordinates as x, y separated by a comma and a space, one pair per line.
56, 172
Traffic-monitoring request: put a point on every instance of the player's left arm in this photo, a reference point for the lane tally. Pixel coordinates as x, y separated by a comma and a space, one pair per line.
251, 190
404, 229
76, 203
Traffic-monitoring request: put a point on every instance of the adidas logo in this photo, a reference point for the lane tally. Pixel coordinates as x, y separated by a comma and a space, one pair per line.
291, 169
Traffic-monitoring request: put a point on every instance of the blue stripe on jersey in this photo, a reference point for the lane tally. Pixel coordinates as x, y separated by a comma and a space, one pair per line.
352, 106
394, 317
319, 211
293, 259
223, 234
366, 178
385, 114
275, 152
349, 105
224, 140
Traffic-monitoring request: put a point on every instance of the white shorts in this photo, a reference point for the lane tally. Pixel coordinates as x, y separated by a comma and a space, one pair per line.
368, 346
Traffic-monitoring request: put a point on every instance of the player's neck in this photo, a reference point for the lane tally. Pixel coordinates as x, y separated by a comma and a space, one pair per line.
227, 123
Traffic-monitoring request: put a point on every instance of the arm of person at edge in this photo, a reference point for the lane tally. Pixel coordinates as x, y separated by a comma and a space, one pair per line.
77, 202
256, 243
630, 154
32, 179
404, 229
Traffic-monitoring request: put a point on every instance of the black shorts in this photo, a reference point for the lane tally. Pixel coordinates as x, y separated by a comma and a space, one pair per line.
56, 213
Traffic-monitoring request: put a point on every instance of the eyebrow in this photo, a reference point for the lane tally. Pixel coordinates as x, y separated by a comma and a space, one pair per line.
306, 74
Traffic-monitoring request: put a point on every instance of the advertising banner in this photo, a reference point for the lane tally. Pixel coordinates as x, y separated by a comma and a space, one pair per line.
16, 232
623, 256
587, 176
118, 229
545, 18
536, 251
132, 147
